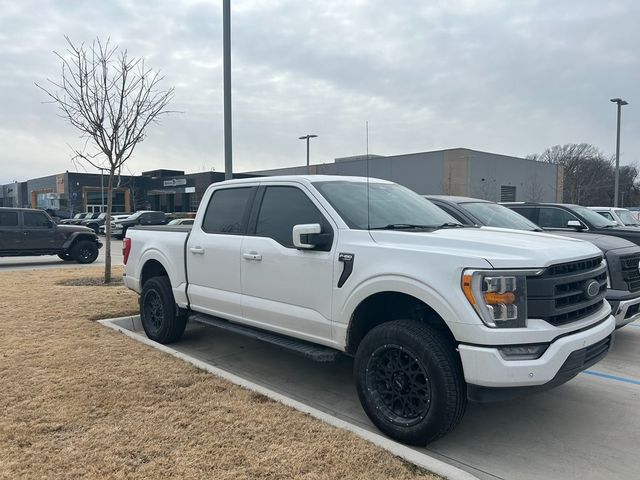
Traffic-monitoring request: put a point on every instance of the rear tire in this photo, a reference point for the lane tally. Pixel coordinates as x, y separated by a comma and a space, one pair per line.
410, 381
85, 251
158, 311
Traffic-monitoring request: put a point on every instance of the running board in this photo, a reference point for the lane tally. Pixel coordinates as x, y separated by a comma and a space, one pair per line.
317, 353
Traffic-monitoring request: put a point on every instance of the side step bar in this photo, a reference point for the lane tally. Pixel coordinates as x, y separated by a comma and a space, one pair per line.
317, 353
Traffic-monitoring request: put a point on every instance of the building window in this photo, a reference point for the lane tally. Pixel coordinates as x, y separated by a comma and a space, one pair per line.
507, 193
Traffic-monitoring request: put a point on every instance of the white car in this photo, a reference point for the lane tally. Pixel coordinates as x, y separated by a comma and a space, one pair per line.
114, 226
434, 313
621, 216
181, 221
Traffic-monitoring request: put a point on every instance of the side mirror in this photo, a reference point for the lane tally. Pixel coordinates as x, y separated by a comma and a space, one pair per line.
302, 234
575, 224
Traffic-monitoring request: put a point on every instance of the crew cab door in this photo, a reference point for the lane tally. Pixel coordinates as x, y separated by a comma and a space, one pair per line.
285, 288
10, 231
38, 231
213, 253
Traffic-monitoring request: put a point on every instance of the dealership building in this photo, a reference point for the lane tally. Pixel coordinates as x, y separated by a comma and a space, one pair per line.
458, 171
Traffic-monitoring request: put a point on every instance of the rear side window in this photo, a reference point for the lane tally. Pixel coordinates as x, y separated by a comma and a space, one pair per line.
35, 219
8, 219
528, 213
227, 211
281, 209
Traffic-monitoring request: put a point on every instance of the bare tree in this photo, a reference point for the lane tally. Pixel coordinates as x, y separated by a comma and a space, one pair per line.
111, 99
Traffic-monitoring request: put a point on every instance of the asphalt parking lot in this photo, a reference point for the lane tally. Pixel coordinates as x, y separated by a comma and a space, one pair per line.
52, 261
585, 429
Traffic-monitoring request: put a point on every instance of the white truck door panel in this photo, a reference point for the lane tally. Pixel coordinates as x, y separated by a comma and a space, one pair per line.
284, 288
213, 254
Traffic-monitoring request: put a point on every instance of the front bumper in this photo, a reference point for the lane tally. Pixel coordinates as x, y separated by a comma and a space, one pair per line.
625, 306
485, 367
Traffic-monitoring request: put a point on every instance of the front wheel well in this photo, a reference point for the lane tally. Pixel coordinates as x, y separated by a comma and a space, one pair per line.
152, 268
385, 307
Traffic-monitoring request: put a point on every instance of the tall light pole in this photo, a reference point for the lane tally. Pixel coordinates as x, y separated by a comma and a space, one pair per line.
620, 103
226, 76
307, 138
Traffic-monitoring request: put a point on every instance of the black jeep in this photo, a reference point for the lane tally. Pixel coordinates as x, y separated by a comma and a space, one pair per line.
26, 232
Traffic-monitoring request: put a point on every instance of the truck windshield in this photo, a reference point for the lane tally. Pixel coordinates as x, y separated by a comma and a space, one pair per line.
627, 218
494, 215
387, 205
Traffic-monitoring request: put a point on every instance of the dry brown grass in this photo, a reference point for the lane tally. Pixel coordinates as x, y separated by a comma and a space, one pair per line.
80, 400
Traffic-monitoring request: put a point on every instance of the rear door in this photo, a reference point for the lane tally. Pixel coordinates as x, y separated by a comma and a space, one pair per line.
10, 231
213, 253
284, 288
38, 233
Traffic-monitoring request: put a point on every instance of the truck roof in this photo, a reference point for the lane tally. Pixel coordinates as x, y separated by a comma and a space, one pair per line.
302, 179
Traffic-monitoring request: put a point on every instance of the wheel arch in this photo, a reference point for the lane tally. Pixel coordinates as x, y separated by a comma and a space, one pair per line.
394, 299
75, 237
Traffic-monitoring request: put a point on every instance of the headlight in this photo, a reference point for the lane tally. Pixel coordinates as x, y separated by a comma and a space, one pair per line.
499, 297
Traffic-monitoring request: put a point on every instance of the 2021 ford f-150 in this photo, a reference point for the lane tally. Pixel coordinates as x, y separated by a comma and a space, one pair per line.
433, 312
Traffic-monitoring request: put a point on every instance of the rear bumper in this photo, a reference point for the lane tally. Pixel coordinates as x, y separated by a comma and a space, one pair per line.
485, 366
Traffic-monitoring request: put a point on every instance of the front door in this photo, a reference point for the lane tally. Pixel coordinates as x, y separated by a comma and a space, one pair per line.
10, 231
284, 288
38, 233
213, 253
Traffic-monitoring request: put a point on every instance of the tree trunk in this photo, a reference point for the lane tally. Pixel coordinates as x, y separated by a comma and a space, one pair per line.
107, 230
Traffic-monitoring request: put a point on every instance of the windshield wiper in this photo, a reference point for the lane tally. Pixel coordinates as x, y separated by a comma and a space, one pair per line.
449, 225
402, 226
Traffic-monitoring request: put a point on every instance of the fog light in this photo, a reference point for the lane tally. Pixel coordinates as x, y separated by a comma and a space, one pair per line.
523, 352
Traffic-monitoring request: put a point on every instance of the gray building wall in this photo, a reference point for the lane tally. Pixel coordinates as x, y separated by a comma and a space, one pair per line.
458, 171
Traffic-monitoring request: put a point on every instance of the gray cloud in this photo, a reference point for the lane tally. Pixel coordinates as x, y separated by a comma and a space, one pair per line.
508, 77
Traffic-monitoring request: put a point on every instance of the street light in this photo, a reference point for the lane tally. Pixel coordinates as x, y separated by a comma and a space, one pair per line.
307, 137
620, 103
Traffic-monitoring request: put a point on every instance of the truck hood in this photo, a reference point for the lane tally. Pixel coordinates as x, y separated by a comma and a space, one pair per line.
605, 243
502, 248
74, 228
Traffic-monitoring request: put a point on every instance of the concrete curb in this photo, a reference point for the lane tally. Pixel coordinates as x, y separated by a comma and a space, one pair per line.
420, 459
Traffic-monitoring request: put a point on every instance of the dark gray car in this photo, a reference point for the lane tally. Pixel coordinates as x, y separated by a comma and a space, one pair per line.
26, 232
623, 256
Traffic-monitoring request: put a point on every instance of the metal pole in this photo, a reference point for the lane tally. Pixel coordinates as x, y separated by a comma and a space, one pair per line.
226, 56
617, 177
308, 172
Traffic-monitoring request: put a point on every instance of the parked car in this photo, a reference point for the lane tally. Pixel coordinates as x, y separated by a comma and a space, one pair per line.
621, 216
564, 217
96, 223
433, 312
181, 221
26, 232
77, 218
114, 218
142, 217
623, 257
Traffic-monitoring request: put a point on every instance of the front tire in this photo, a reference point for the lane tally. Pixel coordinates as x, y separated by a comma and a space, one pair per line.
85, 251
410, 381
160, 317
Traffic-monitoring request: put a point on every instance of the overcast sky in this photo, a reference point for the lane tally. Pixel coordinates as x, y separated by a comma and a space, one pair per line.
503, 76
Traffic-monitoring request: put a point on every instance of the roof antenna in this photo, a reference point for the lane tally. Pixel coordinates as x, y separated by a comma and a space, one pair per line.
368, 207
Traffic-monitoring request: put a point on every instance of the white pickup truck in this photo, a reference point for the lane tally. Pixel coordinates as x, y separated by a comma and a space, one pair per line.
434, 313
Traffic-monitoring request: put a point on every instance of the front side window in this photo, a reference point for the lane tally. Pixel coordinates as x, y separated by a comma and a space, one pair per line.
8, 219
281, 209
36, 220
555, 218
226, 212
375, 205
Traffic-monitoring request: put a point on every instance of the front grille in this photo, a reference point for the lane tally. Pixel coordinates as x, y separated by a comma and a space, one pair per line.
559, 295
630, 265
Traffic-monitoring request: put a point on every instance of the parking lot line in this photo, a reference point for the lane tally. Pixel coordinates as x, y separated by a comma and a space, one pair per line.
612, 377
